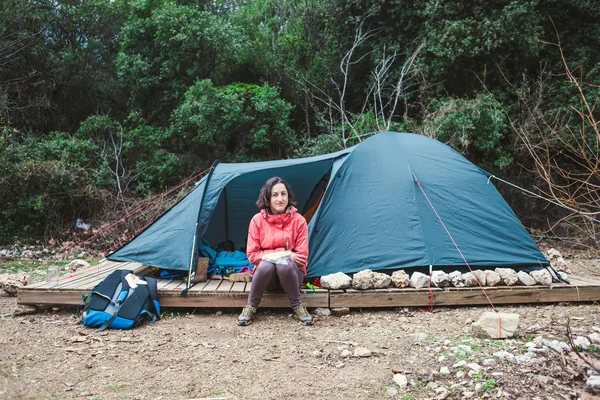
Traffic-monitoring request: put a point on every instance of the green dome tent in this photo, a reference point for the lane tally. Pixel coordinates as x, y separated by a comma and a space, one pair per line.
381, 209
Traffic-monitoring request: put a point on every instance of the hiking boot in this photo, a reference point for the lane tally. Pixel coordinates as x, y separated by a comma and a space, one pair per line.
246, 316
301, 313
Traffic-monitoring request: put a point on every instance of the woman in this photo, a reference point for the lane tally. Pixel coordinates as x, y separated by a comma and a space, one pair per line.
278, 247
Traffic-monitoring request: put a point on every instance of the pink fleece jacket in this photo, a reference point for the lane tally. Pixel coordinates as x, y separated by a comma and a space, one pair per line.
269, 233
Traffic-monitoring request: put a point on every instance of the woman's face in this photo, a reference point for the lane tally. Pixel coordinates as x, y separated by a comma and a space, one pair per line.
279, 199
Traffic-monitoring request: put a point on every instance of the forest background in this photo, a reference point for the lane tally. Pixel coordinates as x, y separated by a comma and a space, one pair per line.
105, 104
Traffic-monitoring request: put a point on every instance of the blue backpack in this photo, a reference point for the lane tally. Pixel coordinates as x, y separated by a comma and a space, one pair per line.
115, 304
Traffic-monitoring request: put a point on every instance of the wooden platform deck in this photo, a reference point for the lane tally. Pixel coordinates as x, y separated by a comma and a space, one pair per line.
223, 293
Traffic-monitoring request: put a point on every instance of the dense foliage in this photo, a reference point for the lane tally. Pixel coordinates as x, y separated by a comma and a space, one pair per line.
126, 98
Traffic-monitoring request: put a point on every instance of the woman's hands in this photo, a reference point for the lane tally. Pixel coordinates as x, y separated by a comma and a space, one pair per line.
299, 259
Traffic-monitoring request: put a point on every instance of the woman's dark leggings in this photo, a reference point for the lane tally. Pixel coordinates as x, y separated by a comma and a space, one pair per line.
290, 278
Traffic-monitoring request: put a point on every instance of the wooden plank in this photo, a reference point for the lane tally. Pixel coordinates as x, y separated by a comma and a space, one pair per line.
50, 297
90, 285
225, 287
91, 280
239, 287
79, 276
212, 286
198, 286
513, 295
239, 299
167, 284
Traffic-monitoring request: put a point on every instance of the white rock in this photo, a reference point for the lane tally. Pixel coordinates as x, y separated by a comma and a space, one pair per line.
505, 355
474, 367
381, 281
557, 345
459, 364
557, 261
542, 379
400, 380
457, 279
480, 275
440, 279
582, 341
441, 359
400, 279
460, 374
468, 280
593, 382
594, 338
542, 277
362, 352
508, 275
488, 362
391, 391
524, 359
345, 353
336, 281
492, 278
363, 280
316, 353
489, 324
322, 312
418, 280
444, 371
525, 279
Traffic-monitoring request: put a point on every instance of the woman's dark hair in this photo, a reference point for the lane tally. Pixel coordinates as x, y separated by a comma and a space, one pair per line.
264, 198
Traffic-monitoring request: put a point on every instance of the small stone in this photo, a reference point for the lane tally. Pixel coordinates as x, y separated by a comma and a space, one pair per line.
400, 380
492, 278
459, 364
418, 280
505, 355
441, 359
336, 281
542, 379
444, 371
362, 352
322, 312
400, 279
556, 345
345, 353
474, 366
440, 279
542, 276
339, 364
508, 275
594, 338
488, 325
363, 280
381, 280
316, 353
593, 382
525, 279
391, 391
488, 362
582, 342
219, 313
460, 374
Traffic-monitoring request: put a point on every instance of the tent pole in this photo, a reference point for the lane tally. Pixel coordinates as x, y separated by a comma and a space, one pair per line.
189, 281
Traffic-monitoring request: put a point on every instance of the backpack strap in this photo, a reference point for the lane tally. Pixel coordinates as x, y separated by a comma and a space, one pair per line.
153, 291
119, 301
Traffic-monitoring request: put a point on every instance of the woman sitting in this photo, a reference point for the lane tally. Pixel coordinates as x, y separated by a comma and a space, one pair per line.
278, 246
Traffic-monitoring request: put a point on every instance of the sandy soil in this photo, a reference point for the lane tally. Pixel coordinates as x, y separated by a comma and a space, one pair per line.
200, 354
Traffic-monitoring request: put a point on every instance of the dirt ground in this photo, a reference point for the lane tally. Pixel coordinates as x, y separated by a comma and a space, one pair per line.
203, 354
